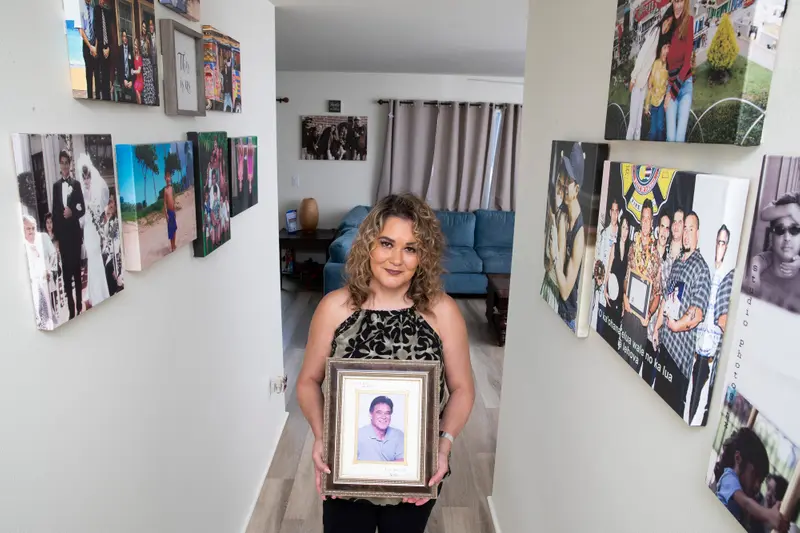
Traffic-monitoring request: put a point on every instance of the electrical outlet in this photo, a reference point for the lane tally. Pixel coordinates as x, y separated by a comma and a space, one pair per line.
296, 182
278, 385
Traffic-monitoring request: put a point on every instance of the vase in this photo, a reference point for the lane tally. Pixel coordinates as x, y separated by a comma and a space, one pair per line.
308, 214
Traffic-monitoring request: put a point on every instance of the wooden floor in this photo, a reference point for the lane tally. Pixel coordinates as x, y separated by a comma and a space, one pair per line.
288, 502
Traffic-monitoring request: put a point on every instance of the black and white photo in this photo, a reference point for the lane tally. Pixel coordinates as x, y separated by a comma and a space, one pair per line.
334, 138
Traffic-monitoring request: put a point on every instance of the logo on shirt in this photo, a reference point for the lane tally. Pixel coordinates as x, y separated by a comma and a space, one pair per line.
641, 182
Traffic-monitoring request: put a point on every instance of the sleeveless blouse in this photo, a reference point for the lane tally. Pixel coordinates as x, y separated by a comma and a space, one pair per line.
568, 309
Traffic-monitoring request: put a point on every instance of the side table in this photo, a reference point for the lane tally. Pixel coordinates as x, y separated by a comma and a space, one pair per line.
497, 305
306, 241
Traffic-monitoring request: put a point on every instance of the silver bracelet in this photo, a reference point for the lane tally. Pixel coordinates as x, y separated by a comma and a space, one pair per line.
446, 435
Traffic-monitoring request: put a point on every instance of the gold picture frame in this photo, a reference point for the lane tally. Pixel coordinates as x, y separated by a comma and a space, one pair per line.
399, 463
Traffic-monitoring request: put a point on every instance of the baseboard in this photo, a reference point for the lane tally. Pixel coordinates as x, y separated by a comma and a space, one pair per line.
493, 511
269, 464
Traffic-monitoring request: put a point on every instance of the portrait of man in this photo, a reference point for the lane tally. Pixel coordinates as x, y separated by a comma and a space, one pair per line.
379, 441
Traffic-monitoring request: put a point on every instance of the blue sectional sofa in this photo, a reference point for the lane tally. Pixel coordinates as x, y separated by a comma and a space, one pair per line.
478, 243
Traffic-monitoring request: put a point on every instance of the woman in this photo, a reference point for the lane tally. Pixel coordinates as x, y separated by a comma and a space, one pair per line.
54, 265
112, 249
138, 84
393, 307
149, 94
556, 217
678, 101
615, 278
36, 247
95, 194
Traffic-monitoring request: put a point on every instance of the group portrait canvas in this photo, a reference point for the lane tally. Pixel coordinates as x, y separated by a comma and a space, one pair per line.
243, 173
694, 71
189, 9
334, 138
570, 227
212, 191
667, 246
157, 200
113, 50
222, 69
69, 223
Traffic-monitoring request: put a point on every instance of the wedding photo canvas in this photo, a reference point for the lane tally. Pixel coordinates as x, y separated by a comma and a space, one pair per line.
695, 71
757, 442
666, 252
570, 228
69, 223
113, 50
244, 173
157, 200
212, 191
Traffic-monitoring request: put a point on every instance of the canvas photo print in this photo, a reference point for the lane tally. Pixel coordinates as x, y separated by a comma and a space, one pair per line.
157, 200
223, 71
113, 50
330, 137
666, 254
212, 191
69, 223
570, 228
244, 173
190, 9
692, 70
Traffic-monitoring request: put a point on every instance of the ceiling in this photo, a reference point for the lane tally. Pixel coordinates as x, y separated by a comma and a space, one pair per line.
485, 37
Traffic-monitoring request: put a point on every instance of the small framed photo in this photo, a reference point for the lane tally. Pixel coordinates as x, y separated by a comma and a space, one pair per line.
381, 428
184, 85
639, 290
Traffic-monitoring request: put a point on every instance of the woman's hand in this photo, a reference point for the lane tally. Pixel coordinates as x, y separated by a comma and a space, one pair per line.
319, 466
444, 462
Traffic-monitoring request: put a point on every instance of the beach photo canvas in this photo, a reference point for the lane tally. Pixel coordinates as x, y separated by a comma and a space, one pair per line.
222, 59
69, 223
212, 196
667, 244
157, 200
189, 9
570, 282
113, 50
695, 71
243, 173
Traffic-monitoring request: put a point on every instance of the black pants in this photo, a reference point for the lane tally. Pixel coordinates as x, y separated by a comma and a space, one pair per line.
349, 516
700, 375
91, 73
72, 282
638, 340
110, 280
649, 373
103, 76
674, 392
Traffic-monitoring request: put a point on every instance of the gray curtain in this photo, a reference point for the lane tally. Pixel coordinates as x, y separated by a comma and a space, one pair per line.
442, 153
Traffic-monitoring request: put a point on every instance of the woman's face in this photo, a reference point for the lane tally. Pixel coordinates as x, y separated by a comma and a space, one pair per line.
678, 6
393, 258
559, 190
785, 244
48, 224
625, 229
571, 190
87, 179
30, 231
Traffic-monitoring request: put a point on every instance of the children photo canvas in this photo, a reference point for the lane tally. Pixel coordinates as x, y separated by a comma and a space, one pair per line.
189, 9
753, 470
211, 191
570, 228
223, 71
157, 200
666, 254
69, 223
113, 50
243, 173
695, 71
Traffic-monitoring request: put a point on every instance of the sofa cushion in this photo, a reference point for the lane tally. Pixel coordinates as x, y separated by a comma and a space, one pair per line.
341, 246
461, 259
494, 228
458, 228
354, 217
496, 259
464, 283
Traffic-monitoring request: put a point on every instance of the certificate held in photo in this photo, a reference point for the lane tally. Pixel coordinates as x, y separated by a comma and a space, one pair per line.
379, 441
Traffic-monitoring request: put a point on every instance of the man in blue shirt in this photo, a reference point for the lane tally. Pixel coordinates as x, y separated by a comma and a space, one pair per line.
378, 441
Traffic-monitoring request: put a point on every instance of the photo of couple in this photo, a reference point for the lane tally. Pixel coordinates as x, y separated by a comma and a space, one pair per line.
71, 231
692, 70
244, 173
570, 220
156, 183
113, 50
665, 258
212, 191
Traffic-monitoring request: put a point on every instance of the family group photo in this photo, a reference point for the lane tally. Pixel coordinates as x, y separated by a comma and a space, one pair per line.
334, 138
692, 70
157, 199
223, 71
665, 260
70, 223
214, 209
113, 50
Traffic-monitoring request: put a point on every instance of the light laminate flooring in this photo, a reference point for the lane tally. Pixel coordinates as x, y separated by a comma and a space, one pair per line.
288, 502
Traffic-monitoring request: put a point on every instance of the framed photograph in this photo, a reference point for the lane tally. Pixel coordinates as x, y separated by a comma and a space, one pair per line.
189, 9
381, 428
212, 190
333, 138
639, 290
222, 71
182, 48
243, 165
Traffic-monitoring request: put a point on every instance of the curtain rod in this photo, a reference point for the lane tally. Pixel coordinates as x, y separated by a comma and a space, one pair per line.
434, 102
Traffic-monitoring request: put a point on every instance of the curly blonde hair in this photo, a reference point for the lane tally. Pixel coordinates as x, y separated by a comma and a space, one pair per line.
426, 285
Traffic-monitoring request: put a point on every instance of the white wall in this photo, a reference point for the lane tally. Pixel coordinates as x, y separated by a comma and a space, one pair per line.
583, 444
340, 185
152, 411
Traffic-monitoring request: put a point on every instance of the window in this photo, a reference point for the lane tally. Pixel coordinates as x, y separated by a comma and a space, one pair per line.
494, 140
125, 13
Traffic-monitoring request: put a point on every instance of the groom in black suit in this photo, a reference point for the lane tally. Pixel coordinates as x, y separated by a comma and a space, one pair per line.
68, 209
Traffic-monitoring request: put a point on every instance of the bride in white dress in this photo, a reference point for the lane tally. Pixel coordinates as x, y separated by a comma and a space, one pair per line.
95, 194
